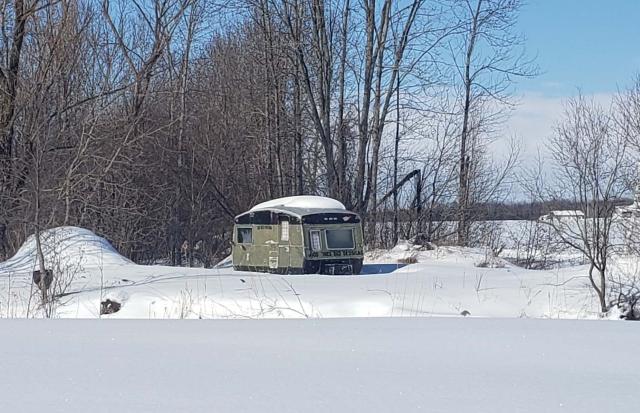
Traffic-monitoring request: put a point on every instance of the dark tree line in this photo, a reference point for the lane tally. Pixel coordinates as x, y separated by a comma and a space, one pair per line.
154, 123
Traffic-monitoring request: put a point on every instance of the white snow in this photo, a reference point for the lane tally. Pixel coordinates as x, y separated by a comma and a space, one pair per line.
347, 365
65, 246
447, 281
395, 357
302, 201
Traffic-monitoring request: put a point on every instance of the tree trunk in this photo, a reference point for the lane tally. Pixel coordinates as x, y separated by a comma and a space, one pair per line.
465, 159
395, 164
601, 289
297, 131
342, 139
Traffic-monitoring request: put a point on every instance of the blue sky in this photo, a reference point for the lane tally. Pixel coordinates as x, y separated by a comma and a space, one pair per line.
591, 44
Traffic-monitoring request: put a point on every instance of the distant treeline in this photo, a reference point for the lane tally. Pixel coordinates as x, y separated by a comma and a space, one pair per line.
502, 211
530, 210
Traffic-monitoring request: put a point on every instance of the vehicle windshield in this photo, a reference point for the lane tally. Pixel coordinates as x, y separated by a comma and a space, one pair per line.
340, 239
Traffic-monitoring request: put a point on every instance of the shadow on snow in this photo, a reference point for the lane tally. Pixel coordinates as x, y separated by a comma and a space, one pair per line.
373, 269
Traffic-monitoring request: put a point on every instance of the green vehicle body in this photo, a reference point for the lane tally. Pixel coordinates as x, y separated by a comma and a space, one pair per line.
298, 241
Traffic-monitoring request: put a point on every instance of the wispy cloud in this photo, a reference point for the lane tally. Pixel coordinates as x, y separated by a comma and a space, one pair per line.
534, 119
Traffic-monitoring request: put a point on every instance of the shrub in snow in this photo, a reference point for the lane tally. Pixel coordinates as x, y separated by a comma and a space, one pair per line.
109, 307
630, 310
627, 305
402, 245
490, 261
411, 259
48, 278
624, 287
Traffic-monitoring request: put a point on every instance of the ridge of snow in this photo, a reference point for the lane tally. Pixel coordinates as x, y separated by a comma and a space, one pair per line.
65, 247
301, 201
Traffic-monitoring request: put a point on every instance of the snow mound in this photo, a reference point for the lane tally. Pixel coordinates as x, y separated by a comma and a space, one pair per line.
64, 248
303, 201
404, 245
225, 263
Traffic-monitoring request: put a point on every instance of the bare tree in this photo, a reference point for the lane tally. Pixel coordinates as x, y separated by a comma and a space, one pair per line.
491, 60
591, 164
628, 113
625, 282
174, 127
13, 19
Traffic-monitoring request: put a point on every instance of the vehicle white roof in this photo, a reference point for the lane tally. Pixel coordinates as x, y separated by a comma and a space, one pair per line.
301, 202
300, 206
301, 212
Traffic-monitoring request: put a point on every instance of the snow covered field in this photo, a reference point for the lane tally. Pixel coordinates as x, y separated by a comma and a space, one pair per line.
396, 357
346, 365
445, 282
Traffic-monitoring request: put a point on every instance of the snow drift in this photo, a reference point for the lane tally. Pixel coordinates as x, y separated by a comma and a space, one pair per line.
65, 247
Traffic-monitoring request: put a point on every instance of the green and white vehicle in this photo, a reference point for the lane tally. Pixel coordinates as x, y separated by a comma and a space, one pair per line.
298, 235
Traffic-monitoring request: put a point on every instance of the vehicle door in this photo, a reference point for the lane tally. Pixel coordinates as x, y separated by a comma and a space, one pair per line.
284, 250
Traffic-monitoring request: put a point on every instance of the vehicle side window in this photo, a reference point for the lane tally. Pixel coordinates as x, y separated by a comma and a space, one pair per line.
245, 235
315, 241
284, 228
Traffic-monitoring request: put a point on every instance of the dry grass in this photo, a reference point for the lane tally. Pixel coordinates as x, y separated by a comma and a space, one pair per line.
412, 259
